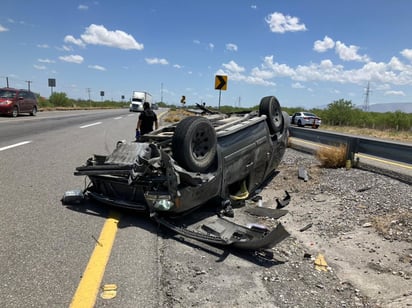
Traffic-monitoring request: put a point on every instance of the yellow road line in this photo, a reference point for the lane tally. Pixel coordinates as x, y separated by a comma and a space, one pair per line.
86, 293
385, 161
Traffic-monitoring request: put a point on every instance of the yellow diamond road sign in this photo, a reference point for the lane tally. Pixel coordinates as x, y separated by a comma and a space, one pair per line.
220, 82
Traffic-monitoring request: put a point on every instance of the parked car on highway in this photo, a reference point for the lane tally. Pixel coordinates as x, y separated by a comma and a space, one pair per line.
304, 118
16, 101
210, 158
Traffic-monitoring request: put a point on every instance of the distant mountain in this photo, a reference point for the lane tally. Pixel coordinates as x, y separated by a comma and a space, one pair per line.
391, 107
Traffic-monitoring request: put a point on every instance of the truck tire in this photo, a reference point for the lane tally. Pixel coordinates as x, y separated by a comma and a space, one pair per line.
194, 144
270, 107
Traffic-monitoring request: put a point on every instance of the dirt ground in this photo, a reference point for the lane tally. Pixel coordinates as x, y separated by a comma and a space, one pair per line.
349, 246
347, 229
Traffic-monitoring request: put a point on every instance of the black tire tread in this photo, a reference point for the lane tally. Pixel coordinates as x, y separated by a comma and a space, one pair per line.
268, 106
181, 144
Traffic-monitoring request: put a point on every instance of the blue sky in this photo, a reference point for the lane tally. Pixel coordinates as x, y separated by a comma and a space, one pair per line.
307, 53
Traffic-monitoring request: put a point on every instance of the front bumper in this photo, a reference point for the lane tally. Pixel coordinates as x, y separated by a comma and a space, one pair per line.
136, 108
6, 108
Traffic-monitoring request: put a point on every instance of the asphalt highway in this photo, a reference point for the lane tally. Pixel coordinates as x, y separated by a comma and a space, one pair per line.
47, 249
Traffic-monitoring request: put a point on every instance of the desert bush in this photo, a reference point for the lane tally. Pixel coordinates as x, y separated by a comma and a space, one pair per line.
332, 157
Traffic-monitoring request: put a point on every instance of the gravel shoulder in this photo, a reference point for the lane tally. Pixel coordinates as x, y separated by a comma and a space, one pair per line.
359, 222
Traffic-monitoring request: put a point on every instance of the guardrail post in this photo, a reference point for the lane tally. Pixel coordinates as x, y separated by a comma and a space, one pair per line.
352, 148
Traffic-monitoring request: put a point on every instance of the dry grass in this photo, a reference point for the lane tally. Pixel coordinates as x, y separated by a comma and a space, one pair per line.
174, 116
405, 136
392, 225
332, 157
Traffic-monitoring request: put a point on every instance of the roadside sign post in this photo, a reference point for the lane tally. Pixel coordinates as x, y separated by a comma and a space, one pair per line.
52, 84
220, 84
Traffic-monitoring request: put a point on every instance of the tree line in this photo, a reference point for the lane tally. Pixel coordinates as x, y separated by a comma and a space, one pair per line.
61, 100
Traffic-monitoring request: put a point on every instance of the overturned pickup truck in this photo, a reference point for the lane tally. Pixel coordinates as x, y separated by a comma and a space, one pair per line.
177, 171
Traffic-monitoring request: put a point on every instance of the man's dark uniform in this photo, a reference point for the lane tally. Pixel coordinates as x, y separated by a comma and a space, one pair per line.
148, 118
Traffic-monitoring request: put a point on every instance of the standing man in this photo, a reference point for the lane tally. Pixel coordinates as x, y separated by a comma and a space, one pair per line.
146, 120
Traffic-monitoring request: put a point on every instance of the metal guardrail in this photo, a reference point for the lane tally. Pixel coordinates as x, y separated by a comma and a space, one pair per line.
395, 151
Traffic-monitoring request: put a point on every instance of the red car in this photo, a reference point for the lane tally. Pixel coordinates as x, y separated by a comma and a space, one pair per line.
15, 101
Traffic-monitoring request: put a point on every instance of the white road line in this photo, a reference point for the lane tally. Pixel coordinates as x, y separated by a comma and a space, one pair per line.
118, 118
88, 125
14, 145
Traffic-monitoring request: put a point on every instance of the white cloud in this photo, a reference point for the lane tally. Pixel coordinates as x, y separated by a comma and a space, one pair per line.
72, 59
43, 46
263, 74
279, 70
396, 93
3, 29
46, 61
233, 67
393, 72
396, 64
298, 85
322, 46
349, 53
407, 53
235, 72
99, 35
211, 46
253, 6
66, 48
97, 67
39, 67
72, 40
197, 42
231, 47
82, 7
280, 23
258, 81
177, 66
156, 61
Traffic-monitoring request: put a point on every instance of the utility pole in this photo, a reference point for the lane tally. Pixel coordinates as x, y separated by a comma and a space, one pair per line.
88, 92
161, 92
7, 81
366, 102
28, 84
